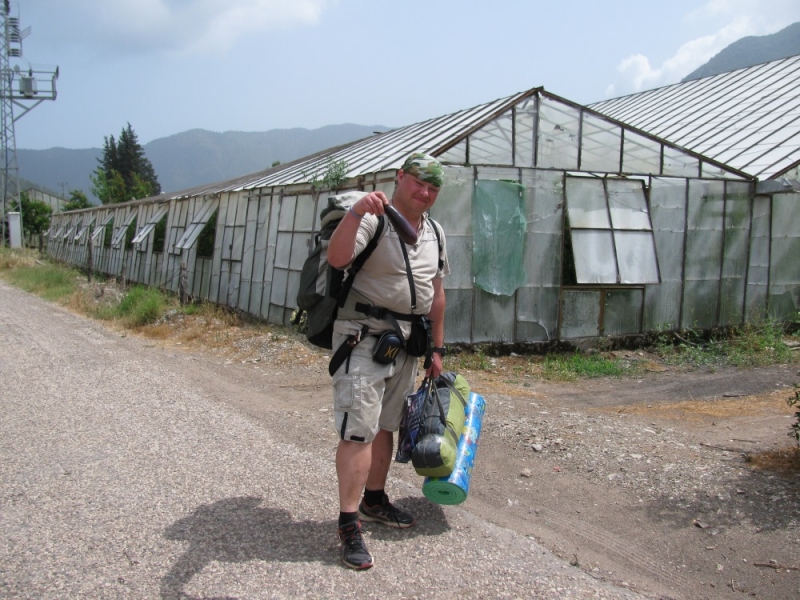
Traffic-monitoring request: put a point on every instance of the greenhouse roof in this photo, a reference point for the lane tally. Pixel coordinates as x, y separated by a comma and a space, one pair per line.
492, 131
748, 119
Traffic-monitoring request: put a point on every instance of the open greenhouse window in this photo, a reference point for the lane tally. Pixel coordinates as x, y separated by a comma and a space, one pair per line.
610, 233
122, 230
101, 227
197, 226
84, 229
154, 219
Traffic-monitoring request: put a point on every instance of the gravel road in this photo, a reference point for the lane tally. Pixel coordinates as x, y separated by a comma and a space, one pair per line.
123, 475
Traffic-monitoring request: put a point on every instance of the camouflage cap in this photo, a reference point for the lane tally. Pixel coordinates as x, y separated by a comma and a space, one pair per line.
425, 168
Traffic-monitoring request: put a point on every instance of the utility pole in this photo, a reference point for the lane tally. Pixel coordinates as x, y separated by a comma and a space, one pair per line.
24, 87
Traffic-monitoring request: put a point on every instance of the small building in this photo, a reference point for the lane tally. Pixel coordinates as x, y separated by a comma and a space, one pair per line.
563, 223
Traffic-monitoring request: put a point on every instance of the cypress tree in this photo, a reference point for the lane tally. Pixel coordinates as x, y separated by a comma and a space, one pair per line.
124, 172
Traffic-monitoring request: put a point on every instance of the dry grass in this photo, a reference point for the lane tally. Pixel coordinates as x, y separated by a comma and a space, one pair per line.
699, 410
785, 462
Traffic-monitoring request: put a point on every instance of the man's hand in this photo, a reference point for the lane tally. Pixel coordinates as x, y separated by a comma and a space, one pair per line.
372, 203
342, 245
436, 366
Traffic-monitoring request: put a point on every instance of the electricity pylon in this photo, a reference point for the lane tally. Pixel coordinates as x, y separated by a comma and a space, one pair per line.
24, 87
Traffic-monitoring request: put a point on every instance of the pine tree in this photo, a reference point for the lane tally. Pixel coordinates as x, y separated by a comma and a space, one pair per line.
124, 172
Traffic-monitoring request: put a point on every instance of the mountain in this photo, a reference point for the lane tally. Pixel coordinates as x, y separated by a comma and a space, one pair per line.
191, 158
751, 50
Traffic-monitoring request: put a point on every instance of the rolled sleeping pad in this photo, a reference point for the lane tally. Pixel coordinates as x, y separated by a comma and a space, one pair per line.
453, 489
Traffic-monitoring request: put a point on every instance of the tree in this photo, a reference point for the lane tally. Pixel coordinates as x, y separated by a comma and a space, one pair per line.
124, 172
77, 200
35, 214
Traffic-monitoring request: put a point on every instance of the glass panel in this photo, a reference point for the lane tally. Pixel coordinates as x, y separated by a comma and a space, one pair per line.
453, 207
758, 269
679, 164
636, 256
283, 252
662, 306
493, 323
594, 256
640, 154
668, 214
456, 155
557, 137
737, 237
712, 171
700, 304
459, 256
600, 145
622, 314
537, 313
703, 249
458, 316
586, 203
706, 205
280, 278
525, 115
492, 143
786, 216
731, 301
784, 271
300, 245
304, 219
286, 219
580, 315
628, 205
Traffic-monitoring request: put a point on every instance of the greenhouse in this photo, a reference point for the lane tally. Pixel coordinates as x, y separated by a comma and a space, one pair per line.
563, 222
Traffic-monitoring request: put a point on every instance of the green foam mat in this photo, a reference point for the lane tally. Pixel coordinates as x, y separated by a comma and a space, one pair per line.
442, 491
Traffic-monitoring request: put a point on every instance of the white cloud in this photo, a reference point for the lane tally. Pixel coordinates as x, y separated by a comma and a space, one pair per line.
729, 20
182, 26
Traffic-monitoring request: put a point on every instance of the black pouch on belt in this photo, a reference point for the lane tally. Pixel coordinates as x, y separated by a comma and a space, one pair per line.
387, 347
420, 338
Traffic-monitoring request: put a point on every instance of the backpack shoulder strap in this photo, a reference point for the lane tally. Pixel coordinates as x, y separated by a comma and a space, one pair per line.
438, 233
360, 260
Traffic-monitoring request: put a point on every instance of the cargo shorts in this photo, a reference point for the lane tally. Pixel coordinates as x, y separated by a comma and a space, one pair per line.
368, 396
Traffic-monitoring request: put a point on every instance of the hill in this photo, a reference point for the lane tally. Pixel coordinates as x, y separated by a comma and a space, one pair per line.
192, 158
751, 50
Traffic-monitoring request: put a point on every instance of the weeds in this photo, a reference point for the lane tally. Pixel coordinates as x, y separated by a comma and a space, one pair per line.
569, 367
750, 345
47, 280
794, 402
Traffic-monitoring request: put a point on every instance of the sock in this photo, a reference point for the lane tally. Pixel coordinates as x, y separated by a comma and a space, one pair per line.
373, 497
345, 518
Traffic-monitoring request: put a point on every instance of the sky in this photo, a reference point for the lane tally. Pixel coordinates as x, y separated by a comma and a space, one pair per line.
167, 66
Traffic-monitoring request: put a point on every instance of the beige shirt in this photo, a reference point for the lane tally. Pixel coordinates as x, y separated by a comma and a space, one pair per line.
383, 281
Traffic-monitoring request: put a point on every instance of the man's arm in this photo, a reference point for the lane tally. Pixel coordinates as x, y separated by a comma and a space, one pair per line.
342, 245
436, 315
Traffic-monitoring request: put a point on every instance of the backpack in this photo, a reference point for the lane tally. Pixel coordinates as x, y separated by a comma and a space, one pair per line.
323, 289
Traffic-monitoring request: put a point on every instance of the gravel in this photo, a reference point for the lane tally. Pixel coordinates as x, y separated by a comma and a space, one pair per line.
122, 476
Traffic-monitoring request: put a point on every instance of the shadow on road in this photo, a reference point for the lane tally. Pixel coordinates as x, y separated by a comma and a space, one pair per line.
239, 530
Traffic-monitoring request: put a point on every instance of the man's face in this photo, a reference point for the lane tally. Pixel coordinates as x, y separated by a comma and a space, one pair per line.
413, 194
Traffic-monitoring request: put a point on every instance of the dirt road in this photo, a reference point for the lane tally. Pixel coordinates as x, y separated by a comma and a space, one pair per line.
605, 489
129, 471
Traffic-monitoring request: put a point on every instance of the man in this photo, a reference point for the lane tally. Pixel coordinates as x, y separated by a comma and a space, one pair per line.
369, 396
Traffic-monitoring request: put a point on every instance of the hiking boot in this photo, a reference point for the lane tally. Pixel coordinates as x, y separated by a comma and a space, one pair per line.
386, 513
354, 551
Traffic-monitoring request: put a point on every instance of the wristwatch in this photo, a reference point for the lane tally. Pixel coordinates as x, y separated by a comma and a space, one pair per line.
441, 351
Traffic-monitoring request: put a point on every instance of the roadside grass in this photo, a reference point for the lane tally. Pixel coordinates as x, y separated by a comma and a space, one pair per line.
24, 269
749, 345
148, 310
158, 314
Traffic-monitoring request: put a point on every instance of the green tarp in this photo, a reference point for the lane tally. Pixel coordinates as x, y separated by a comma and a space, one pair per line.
498, 236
